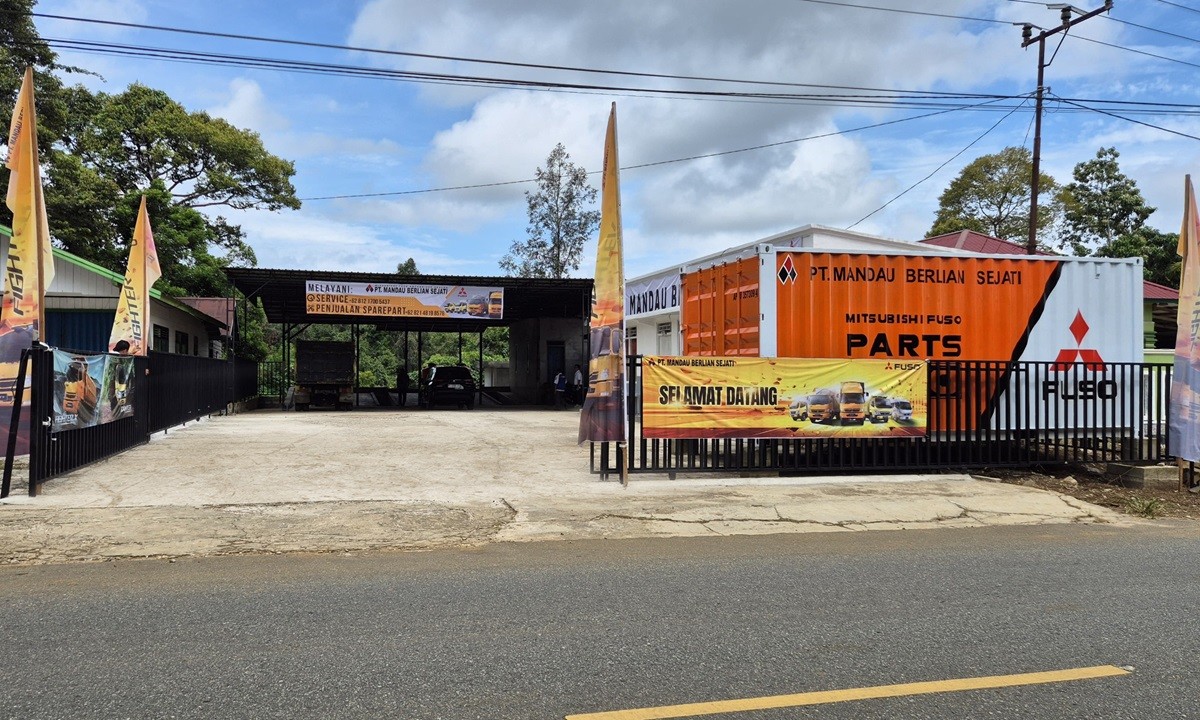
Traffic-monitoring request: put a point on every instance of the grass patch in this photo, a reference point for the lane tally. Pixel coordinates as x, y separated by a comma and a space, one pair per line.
1149, 507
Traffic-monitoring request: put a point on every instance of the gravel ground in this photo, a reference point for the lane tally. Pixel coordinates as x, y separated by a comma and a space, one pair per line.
1090, 484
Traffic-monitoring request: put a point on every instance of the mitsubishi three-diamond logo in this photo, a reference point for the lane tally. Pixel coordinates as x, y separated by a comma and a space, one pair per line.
787, 271
1068, 356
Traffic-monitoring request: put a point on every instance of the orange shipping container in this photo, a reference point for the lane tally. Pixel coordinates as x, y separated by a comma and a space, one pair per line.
720, 313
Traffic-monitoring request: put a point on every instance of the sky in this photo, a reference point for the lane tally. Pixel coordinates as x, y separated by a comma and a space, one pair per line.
398, 141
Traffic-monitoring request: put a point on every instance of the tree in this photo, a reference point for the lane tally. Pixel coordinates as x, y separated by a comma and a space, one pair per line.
101, 152
142, 141
558, 221
408, 267
991, 196
1158, 250
1101, 205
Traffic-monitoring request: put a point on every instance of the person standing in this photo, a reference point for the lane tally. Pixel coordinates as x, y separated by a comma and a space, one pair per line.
402, 384
577, 385
560, 389
423, 387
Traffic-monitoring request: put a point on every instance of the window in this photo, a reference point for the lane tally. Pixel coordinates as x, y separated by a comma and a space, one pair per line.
196, 345
631, 340
182, 342
162, 339
664, 343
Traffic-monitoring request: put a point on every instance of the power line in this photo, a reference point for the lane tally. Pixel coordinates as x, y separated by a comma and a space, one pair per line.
1139, 52
1132, 24
893, 99
917, 100
661, 162
935, 171
453, 58
1153, 30
906, 12
1181, 7
1128, 119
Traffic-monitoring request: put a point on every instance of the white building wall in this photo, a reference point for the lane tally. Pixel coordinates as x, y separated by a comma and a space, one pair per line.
80, 289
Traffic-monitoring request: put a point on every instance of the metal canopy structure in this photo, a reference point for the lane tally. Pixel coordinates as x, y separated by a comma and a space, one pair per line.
282, 293
283, 297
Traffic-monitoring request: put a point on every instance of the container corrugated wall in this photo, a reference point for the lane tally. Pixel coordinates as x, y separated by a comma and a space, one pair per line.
955, 308
720, 314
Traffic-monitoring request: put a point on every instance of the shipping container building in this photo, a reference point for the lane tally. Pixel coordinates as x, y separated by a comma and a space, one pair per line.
654, 301
1078, 322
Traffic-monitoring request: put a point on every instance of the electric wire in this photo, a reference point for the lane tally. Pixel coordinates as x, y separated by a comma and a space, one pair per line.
906, 12
916, 100
892, 100
656, 163
1128, 119
935, 170
1181, 7
454, 58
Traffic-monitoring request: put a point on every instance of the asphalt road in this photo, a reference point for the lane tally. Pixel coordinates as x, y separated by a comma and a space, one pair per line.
548, 630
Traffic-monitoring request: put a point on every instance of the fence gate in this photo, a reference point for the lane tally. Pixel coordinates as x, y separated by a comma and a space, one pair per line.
980, 414
165, 390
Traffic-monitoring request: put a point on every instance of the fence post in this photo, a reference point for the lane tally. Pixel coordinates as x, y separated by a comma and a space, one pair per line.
14, 425
41, 407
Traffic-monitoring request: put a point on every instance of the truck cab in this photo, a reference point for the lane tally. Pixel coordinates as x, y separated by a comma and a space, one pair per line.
853, 401
798, 409
879, 408
823, 407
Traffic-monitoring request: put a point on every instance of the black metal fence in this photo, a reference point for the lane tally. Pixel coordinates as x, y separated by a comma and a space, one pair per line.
245, 379
979, 414
272, 382
168, 390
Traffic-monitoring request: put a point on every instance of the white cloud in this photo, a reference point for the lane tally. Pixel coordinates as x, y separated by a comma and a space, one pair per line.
311, 241
247, 107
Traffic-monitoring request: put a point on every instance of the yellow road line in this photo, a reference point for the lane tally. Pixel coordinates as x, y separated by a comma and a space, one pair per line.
864, 693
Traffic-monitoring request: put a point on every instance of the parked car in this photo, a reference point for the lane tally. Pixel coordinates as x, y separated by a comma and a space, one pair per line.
799, 408
901, 410
448, 385
879, 409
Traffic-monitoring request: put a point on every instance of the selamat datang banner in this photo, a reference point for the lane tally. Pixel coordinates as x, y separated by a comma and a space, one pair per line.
403, 300
746, 397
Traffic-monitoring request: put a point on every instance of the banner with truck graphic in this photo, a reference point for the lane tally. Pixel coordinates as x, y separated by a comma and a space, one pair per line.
749, 397
91, 389
403, 300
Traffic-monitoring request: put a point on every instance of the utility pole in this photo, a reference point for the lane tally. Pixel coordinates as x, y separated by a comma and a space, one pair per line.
1027, 40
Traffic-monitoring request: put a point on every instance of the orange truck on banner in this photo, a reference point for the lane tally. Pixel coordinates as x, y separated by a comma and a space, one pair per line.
731, 397
402, 300
800, 303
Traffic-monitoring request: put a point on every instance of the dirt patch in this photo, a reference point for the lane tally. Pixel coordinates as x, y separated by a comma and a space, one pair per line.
1090, 484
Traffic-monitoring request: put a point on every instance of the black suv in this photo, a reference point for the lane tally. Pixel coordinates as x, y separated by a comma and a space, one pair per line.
448, 385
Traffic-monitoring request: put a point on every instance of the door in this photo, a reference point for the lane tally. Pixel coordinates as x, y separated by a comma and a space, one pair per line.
556, 359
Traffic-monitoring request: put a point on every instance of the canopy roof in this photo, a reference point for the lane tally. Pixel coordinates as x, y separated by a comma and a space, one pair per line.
283, 297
